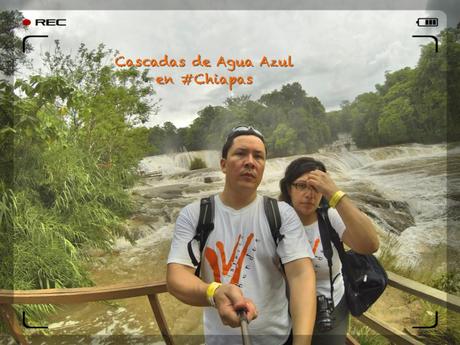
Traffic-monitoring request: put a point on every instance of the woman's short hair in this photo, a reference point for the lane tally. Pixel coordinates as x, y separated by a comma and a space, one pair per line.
293, 171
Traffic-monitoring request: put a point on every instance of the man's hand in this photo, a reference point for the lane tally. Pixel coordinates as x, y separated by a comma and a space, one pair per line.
229, 300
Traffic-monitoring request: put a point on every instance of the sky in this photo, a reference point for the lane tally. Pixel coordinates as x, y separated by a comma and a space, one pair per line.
334, 55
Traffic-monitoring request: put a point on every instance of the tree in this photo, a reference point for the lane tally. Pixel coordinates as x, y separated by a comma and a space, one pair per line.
100, 104
200, 128
283, 140
450, 38
365, 111
391, 125
11, 54
437, 76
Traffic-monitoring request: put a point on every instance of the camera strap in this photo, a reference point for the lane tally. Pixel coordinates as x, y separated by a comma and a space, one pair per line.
323, 221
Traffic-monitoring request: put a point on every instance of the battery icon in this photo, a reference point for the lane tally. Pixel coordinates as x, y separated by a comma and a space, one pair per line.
427, 22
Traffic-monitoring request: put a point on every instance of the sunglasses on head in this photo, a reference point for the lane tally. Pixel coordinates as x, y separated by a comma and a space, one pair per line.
245, 129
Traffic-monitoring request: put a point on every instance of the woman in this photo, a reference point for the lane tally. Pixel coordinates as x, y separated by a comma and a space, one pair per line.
303, 186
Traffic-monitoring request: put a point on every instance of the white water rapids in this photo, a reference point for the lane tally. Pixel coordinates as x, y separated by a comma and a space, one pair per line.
415, 174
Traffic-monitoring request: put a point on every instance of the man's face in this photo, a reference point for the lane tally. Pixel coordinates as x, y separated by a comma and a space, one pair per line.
245, 163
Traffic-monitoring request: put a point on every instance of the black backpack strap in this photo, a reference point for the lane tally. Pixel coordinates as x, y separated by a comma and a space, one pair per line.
272, 212
340, 249
325, 232
203, 229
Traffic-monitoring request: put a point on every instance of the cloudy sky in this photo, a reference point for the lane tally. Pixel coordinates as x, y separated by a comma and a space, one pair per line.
336, 54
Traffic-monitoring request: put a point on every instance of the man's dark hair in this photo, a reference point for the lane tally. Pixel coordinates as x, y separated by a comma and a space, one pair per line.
238, 131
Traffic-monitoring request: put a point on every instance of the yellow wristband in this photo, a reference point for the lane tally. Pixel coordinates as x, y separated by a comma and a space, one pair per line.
210, 291
336, 198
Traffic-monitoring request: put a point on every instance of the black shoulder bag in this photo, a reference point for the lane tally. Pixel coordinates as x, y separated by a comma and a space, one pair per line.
363, 276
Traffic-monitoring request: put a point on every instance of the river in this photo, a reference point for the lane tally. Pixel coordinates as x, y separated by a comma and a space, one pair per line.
403, 188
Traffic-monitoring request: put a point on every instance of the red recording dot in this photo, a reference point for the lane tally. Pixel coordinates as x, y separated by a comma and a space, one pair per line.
26, 21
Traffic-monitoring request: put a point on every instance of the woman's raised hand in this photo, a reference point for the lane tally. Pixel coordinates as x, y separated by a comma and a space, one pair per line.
322, 183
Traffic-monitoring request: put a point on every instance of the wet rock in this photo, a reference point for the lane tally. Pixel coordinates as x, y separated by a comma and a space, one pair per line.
373, 200
191, 173
163, 192
211, 179
199, 187
143, 218
393, 215
139, 231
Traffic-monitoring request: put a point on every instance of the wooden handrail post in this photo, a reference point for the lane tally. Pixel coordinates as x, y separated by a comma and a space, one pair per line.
160, 318
11, 322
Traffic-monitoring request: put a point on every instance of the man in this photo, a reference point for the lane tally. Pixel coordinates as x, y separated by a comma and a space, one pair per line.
241, 254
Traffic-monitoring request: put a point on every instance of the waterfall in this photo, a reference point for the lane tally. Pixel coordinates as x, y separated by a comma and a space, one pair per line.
403, 188
171, 163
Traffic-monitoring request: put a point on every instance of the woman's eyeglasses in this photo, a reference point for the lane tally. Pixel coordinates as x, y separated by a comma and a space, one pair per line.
302, 187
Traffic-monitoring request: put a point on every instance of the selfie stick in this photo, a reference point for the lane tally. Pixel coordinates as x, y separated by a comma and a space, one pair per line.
244, 327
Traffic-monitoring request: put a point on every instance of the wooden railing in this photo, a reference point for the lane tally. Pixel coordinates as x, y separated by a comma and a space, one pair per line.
151, 290
81, 295
417, 289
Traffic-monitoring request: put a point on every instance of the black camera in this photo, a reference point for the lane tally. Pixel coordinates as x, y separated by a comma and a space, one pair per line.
324, 310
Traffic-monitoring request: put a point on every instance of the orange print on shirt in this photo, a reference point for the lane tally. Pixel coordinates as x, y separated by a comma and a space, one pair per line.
212, 258
315, 245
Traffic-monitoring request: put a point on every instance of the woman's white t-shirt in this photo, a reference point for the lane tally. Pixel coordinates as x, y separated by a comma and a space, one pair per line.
323, 285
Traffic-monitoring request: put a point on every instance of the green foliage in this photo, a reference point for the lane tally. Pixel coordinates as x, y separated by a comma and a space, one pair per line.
391, 124
451, 38
197, 163
292, 123
11, 54
365, 335
446, 332
365, 112
284, 140
77, 144
448, 282
165, 139
411, 106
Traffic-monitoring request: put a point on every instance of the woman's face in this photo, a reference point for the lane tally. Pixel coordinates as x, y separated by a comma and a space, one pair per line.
305, 199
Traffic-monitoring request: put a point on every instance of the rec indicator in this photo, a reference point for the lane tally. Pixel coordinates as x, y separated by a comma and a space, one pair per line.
427, 22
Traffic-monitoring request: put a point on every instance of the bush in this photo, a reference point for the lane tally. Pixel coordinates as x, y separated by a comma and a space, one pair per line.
197, 163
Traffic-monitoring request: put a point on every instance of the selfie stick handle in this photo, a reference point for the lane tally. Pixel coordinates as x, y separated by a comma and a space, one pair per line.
244, 328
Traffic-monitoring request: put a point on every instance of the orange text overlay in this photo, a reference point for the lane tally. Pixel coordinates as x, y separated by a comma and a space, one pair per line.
206, 79
215, 79
229, 63
201, 77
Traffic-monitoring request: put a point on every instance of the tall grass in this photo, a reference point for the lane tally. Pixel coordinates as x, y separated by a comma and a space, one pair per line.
62, 203
365, 335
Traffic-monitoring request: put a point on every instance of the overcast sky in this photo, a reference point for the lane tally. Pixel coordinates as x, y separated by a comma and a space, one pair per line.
337, 55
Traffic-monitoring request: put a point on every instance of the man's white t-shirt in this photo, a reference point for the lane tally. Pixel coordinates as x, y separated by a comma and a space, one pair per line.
323, 285
241, 250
